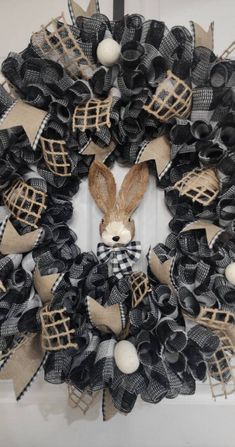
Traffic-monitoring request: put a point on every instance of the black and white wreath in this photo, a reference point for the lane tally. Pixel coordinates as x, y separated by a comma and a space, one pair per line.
80, 97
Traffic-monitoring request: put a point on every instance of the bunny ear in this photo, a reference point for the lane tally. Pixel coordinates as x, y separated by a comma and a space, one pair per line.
133, 188
102, 186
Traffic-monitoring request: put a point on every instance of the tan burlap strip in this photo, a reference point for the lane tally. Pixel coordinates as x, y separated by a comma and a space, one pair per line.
29, 117
78, 11
44, 284
24, 364
12, 242
108, 408
101, 153
158, 150
203, 38
27, 356
105, 319
162, 270
212, 231
2, 287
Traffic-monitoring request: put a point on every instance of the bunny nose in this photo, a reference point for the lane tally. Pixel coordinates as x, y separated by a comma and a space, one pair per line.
116, 238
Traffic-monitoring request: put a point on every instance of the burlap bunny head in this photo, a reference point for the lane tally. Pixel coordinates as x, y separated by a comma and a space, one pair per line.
117, 226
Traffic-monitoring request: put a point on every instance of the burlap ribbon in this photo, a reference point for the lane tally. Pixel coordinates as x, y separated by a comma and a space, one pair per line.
158, 150
23, 364
161, 270
25, 360
221, 368
106, 319
76, 10
100, 153
203, 38
30, 118
212, 231
12, 242
85, 400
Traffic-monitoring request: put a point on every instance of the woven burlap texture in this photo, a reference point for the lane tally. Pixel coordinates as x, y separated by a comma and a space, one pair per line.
139, 286
25, 203
56, 156
56, 41
221, 366
94, 114
200, 185
56, 331
173, 98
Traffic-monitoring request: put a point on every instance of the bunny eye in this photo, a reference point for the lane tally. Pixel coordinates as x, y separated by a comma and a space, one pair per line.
102, 221
129, 219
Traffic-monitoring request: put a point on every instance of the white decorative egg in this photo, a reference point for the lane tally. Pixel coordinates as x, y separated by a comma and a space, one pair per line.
230, 273
108, 52
126, 357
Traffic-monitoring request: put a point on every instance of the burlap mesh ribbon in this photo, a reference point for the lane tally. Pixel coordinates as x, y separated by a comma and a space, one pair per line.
200, 185
25, 202
94, 114
228, 51
81, 399
26, 358
140, 287
173, 98
56, 331
221, 366
56, 156
56, 41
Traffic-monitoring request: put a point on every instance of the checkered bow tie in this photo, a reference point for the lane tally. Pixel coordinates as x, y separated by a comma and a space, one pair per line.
121, 258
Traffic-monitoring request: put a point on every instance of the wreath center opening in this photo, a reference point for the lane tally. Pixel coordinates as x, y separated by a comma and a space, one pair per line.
151, 217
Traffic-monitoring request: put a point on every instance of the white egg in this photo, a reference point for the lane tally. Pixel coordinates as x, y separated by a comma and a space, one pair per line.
126, 357
108, 52
230, 273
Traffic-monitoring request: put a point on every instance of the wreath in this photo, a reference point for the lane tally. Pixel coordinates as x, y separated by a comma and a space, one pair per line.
77, 99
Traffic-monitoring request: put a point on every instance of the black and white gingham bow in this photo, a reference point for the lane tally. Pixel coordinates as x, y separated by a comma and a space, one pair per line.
121, 258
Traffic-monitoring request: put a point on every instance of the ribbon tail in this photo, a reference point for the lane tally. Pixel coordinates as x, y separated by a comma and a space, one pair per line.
108, 408
24, 364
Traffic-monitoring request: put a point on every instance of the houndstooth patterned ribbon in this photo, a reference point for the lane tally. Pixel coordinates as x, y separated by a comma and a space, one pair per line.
120, 258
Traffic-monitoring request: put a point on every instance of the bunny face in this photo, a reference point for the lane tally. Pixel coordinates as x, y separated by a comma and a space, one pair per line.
117, 227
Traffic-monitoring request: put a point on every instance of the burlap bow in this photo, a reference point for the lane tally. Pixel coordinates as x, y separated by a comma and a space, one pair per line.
121, 259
